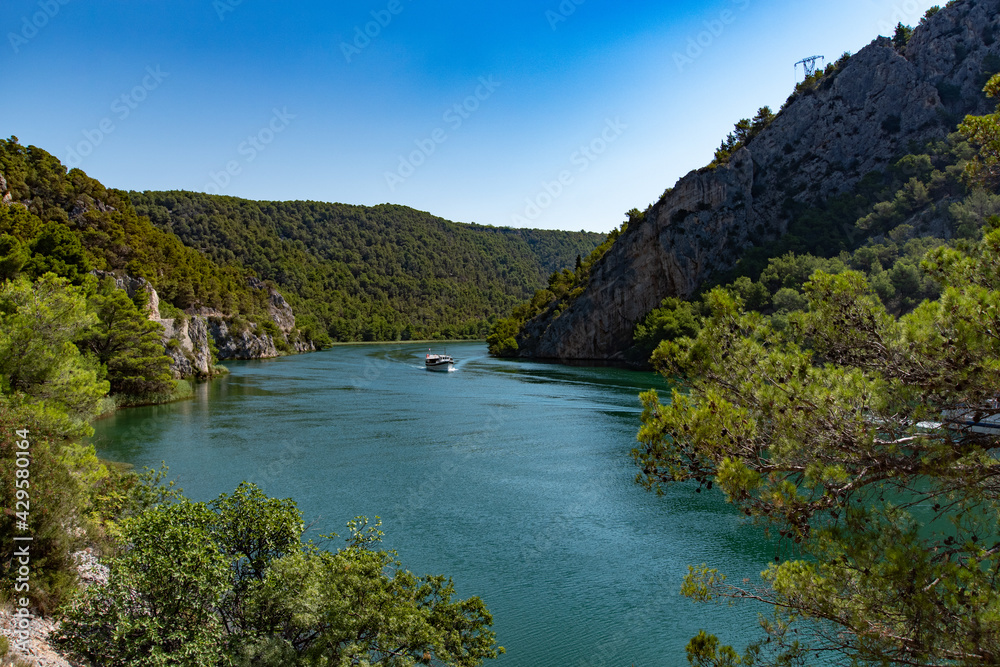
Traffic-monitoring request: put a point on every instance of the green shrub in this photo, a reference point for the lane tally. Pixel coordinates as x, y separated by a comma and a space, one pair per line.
232, 582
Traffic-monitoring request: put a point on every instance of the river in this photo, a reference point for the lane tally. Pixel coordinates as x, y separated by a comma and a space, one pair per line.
513, 477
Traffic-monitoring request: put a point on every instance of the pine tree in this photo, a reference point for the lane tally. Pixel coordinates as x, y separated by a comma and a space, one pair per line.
127, 343
867, 444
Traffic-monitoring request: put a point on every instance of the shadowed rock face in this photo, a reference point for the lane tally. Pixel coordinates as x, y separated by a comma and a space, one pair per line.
5, 196
857, 121
240, 344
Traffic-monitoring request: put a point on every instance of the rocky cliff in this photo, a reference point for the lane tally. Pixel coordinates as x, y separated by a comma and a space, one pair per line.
186, 338
5, 196
133, 286
186, 343
857, 120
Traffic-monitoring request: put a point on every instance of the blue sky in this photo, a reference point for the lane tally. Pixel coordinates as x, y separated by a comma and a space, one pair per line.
558, 114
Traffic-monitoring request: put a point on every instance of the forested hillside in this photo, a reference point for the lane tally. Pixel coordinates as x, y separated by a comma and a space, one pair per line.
371, 273
70, 224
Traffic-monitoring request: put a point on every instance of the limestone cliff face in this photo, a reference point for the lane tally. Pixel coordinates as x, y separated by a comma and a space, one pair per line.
5, 196
186, 343
822, 143
186, 339
240, 344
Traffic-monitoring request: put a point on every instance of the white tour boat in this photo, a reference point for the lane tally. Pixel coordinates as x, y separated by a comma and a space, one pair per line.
439, 362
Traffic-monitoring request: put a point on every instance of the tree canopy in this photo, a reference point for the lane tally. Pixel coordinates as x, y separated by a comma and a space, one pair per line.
232, 583
865, 439
868, 444
127, 343
69, 224
41, 370
984, 132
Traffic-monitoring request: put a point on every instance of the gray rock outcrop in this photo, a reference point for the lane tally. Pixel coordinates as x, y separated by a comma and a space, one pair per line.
186, 338
856, 121
302, 346
240, 344
280, 312
133, 286
278, 309
186, 342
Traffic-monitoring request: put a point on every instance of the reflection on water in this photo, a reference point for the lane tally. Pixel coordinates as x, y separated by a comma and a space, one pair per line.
513, 477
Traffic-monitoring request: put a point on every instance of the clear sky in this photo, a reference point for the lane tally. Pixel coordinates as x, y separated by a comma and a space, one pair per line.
558, 114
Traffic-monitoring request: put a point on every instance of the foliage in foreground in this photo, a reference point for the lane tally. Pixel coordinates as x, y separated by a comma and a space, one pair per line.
58, 343
190, 584
866, 443
984, 132
75, 500
63, 348
231, 583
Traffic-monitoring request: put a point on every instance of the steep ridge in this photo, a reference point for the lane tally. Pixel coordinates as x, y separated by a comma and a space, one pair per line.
856, 120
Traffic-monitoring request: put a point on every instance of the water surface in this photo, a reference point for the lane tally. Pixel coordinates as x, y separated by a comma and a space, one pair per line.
513, 477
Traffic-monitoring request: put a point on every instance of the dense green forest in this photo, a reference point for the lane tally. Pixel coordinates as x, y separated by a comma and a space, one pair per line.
371, 273
70, 224
350, 272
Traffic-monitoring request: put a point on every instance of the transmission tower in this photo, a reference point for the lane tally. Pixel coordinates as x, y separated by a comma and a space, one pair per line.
808, 65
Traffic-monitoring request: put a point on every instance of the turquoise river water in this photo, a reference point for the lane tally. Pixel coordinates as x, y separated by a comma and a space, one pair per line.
512, 477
